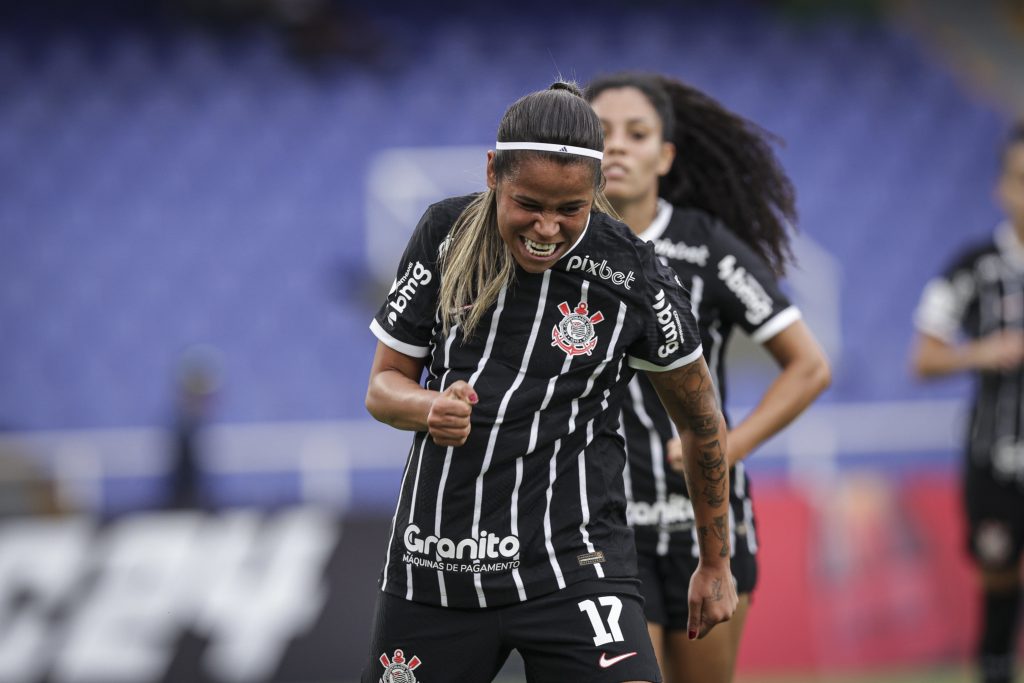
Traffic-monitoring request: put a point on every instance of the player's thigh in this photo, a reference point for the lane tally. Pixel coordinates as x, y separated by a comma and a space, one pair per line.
657, 634
433, 644
995, 521
591, 631
711, 659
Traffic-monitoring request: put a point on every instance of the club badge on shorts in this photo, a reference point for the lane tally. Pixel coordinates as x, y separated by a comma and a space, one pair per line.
397, 670
575, 334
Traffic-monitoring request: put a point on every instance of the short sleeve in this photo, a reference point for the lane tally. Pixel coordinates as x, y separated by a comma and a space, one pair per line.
944, 302
748, 291
670, 339
406, 319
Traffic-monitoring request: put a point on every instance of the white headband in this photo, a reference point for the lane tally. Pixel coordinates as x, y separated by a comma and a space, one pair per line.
548, 147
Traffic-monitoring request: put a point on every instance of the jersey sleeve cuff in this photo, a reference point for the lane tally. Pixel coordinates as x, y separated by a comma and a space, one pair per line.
937, 314
398, 345
776, 324
933, 328
647, 366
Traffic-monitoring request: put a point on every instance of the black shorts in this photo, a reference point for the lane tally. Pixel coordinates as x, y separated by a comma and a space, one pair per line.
665, 582
590, 631
995, 519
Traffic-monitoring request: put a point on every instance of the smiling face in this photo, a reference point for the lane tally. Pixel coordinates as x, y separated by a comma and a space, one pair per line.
635, 154
543, 208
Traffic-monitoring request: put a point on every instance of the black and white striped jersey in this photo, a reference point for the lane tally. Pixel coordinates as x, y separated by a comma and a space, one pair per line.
729, 285
982, 292
534, 500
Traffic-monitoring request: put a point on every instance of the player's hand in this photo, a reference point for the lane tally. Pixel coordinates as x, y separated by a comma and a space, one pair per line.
449, 418
674, 454
712, 599
1000, 351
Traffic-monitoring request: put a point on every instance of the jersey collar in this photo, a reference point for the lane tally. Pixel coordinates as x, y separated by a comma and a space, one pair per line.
578, 239
1010, 245
660, 222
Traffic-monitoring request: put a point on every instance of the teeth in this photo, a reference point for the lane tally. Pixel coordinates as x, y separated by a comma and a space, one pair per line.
538, 249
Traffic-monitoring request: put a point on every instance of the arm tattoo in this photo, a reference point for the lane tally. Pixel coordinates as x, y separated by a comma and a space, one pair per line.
698, 397
716, 590
715, 531
714, 473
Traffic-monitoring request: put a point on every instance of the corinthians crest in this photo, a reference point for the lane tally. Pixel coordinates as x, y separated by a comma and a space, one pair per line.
575, 334
397, 670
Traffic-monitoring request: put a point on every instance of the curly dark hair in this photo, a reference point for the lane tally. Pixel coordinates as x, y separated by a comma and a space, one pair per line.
724, 165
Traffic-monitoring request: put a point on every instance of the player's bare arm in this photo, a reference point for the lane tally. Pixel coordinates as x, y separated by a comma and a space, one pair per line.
805, 373
395, 397
689, 396
996, 352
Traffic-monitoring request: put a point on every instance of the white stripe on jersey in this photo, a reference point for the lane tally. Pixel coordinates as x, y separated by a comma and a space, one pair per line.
740, 485
1009, 396
584, 503
496, 425
732, 532
518, 461
535, 428
657, 456
515, 524
394, 518
412, 508
444, 475
748, 513
696, 295
547, 517
554, 456
716, 356
626, 478
484, 357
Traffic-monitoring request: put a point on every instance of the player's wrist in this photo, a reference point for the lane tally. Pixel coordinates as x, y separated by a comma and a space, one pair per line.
714, 565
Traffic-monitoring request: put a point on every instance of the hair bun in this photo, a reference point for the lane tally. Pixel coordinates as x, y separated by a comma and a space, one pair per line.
568, 86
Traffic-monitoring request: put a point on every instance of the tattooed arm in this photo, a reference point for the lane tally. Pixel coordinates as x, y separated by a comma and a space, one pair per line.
689, 396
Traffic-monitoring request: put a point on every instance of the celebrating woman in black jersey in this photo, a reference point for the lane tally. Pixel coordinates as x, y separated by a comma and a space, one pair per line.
703, 187
531, 310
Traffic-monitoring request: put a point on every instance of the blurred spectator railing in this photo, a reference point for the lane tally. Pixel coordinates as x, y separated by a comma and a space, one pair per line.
357, 464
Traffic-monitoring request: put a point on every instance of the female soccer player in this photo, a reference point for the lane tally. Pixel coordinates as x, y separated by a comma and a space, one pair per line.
530, 310
971, 319
703, 186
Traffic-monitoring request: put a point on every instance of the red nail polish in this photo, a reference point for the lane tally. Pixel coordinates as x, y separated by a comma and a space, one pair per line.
693, 635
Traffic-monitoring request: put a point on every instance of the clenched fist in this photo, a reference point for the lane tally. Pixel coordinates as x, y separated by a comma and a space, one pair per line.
449, 418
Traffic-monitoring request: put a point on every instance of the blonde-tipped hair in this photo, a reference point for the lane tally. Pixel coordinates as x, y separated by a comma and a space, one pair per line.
475, 265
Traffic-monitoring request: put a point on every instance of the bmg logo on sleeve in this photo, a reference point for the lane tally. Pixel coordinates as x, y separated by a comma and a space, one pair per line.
671, 325
416, 274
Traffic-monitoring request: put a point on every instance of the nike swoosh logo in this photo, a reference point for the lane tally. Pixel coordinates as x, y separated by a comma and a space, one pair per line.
607, 661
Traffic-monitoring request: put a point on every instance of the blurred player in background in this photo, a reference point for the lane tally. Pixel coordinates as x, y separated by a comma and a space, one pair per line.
197, 383
702, 185
530, 311
971, 318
